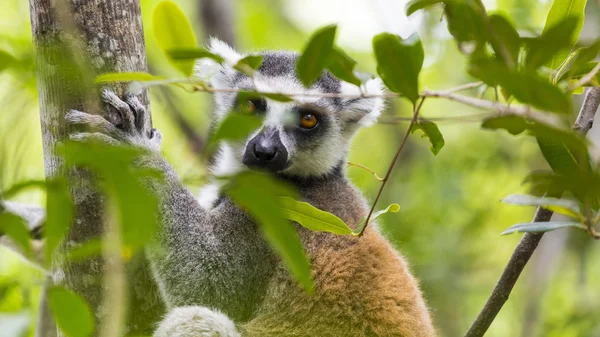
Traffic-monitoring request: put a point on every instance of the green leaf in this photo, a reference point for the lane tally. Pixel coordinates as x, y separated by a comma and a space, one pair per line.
562, 206
561, 10
505, 40
532, 89
431, 131
342, 66
513, 124
15, 228
125, 182
312, 218
236, 126
71, 312
172, 30
18, 188
525, 86
181, 54
277, 97
249, 64
127, 77
580, 70
467, 23
541, 227
589, 53
315, 56
565, 151
259, 194
392, 208
415, 5
59, 216
554, 38
399, 63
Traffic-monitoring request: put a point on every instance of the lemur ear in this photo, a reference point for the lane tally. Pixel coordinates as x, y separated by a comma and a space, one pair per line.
364, 111
224, 50
219, 75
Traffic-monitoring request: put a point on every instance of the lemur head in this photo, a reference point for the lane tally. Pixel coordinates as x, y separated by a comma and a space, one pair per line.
304, 138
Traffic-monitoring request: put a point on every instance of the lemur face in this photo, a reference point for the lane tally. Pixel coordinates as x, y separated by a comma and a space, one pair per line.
307, 137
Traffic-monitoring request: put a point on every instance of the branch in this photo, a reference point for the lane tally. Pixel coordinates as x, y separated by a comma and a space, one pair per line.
45, 326
529, 242
540, 116
391, 167
523, 110
585, 120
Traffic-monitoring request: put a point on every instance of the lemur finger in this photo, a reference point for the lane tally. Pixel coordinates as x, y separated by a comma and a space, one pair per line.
156, 136
85, 137
97, 123
139, 111
124, 110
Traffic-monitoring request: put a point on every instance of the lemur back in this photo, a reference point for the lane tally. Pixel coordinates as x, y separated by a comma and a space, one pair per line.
362, 286
217, 274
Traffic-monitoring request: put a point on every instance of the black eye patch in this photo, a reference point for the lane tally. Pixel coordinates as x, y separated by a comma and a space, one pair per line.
244, 102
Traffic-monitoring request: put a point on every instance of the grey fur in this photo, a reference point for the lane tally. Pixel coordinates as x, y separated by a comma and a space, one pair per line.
215, 257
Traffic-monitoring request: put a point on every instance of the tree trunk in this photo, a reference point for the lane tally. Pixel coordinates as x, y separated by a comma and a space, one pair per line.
75, 41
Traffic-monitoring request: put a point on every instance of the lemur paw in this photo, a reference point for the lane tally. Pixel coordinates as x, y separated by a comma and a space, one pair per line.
134, 129
196, 322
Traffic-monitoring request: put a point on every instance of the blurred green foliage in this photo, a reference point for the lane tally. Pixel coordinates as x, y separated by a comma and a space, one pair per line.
450, 221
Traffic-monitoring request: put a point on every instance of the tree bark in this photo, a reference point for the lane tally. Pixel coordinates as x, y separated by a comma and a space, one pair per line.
75, 41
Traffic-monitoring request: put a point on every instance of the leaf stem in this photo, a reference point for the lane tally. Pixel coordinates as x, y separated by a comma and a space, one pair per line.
391, 167
366, 169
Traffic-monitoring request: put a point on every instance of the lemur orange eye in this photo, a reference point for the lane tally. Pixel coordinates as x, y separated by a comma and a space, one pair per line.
308, 121
249, 107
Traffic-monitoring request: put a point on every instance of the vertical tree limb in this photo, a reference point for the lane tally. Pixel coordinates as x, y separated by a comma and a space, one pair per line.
530, 241
74, 41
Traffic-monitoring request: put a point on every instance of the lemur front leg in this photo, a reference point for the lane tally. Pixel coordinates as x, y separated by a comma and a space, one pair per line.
134, 129
197, 258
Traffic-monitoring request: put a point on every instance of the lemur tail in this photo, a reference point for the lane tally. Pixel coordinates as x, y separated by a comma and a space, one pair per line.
196, 321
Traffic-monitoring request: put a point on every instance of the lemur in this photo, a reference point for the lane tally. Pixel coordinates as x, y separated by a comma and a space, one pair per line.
217, 274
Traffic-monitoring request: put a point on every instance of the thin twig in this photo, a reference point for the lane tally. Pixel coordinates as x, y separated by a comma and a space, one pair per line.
464, 87
586, 78
391, 167
366, 169
525, 111
212, 90
529, 242
454, 119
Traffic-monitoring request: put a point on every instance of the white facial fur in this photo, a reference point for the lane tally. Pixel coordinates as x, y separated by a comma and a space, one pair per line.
315, 157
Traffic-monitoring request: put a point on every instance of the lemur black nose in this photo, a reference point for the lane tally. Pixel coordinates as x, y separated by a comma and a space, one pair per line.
266, 151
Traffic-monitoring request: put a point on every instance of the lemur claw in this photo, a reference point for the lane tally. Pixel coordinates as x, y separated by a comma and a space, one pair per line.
134, 129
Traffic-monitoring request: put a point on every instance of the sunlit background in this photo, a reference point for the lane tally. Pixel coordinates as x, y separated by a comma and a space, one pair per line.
451, 217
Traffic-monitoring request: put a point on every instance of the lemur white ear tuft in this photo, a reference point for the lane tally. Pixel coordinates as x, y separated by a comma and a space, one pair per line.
365, 111
224, 50
218, 75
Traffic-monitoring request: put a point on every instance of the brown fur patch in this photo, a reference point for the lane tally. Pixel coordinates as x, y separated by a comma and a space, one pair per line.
363, 287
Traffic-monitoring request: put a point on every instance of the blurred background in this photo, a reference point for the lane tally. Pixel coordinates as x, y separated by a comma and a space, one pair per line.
449, 224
